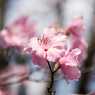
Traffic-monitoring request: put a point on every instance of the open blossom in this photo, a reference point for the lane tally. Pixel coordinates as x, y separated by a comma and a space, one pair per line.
51, 45
19, 32
69, 64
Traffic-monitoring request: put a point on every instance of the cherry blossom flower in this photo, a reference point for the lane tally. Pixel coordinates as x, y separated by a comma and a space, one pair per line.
69, 64
50, 46
76, 28
19, 32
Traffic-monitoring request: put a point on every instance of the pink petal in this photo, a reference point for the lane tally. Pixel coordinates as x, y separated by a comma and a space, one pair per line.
70, 58
69, 64
39, 60
36, 47
75, 52
70, 72
34, 44
53, 54
82, 45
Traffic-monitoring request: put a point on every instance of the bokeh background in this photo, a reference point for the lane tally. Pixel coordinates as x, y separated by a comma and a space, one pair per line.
45, 13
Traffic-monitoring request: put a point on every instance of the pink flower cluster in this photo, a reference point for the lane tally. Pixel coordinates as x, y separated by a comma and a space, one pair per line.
52, 46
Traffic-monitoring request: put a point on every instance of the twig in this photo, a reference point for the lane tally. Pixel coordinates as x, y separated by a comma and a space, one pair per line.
49, 66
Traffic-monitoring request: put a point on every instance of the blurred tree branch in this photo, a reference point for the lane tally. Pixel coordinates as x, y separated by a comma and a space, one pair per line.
2, 10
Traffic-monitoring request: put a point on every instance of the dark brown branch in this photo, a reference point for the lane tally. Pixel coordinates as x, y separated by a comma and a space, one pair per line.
85, 77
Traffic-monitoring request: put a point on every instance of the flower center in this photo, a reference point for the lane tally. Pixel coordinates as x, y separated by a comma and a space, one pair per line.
45, 49
45, 41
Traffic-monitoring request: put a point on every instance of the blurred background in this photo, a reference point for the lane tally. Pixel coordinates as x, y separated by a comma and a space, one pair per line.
45, 13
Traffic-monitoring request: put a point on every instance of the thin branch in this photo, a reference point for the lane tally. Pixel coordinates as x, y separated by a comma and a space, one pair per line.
49, 66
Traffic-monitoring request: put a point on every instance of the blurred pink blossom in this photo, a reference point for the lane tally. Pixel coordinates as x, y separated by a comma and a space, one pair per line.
19, 32
77, 51
82, 45
76, 28
92, 93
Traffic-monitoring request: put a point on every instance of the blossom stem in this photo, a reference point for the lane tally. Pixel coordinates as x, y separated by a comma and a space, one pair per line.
53, 69
51, 85
49, 66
